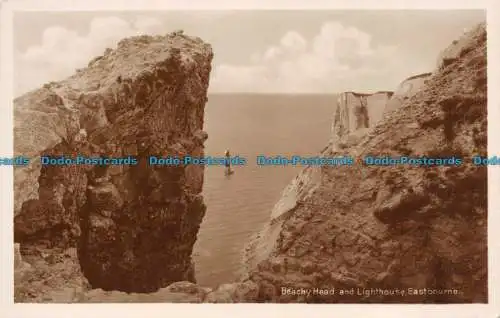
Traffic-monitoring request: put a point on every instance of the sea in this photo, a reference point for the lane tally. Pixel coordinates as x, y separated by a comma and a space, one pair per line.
238, 205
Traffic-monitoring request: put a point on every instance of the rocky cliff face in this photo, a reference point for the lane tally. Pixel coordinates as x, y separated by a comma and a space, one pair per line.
406, 90
263, 243
134, 225
391, 227
354, 114
342, 227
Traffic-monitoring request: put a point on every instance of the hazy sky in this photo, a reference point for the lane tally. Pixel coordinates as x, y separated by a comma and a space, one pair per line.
255, 51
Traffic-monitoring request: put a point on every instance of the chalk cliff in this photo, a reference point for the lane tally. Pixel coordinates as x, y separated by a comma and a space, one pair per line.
132, 227
389, 227
354, 113
406, 90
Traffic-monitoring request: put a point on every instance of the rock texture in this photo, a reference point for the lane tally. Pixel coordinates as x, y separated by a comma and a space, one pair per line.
393, 227
355, 228
406, 90
355, 112
458, 48
134, 225
263, 243
179, 292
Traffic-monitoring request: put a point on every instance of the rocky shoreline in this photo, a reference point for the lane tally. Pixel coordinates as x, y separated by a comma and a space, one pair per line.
346, 227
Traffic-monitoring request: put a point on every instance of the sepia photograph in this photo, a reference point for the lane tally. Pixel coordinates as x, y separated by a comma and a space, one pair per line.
250, 156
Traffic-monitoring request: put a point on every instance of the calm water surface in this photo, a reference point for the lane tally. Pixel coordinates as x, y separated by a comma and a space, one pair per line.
237, 206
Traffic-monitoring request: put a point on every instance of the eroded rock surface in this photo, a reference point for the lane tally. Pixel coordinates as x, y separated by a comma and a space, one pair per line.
265, 241
355, 112
339, 227
406, 90
134, 225
395, 227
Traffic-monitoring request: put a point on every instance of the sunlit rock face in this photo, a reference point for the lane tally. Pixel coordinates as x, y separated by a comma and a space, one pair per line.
343, 227
134, 224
